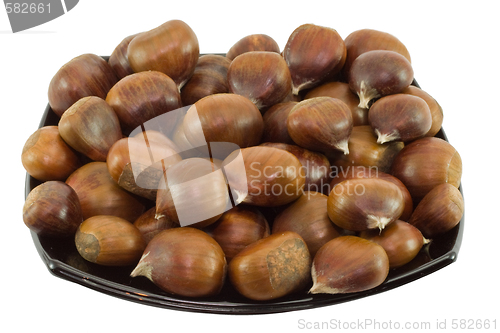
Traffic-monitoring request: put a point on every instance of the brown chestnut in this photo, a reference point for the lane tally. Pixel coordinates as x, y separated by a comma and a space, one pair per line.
400, 117
99, 194
91, 127
184, 261
308, 217
321, 124
52, 209
109, 241
237, 228
272, 177
271, 267
193, 192
372, 172
142, 96
263, 77
46, 156
209, 77
85, 75
313, 53
223, 118
400, 240
348, 264
426, 163
254, 42
439, 211
171, 48
365, 203
379, 73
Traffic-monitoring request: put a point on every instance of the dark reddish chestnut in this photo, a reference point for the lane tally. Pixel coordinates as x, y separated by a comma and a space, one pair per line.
263, 77
171, 48
313, 53
85, 75
52, 209
209, 77
400, 117
142, 96
322, 124
379, 73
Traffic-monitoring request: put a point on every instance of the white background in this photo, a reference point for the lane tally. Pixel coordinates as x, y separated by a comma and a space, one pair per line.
454, 50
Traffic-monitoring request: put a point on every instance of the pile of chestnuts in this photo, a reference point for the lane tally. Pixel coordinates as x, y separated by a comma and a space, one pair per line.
334, 178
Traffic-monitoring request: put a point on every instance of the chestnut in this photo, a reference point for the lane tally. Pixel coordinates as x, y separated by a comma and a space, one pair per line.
379, 73
400, 240
209, 77
439, 211
322, 124
52, 209
193, 192
171, 48
91, 127
313, 53
223, 118
308, 217
237, 228
263, 77
109, 241
46, 156
400, 117
426, 163
272, 177
184, 261
142, 96
365, 203
272, 267
85, 75
99, 194
348, 264
372, 172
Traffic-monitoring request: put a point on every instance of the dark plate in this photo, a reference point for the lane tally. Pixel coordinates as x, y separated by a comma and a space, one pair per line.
63, 260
